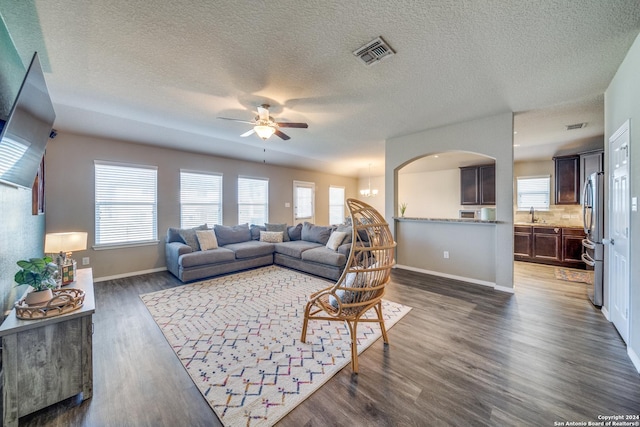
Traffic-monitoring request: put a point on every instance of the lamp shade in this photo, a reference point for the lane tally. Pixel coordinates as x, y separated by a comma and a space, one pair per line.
264, 132
65, 242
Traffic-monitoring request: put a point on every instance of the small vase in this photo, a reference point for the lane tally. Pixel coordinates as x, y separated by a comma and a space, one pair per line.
38, 297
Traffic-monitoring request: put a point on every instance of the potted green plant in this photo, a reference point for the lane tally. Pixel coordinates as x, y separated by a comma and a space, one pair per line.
40, 274
403, 207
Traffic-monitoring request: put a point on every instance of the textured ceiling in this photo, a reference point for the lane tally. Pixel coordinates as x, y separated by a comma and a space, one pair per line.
160, 72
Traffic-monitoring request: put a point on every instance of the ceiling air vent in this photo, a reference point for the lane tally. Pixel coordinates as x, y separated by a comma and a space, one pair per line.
374, 51
576, 126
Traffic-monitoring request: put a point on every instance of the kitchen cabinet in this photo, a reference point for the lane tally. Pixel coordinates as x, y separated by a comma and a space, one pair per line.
590, 162
478, 185
572, 246
567, 180
546, 244
522, 242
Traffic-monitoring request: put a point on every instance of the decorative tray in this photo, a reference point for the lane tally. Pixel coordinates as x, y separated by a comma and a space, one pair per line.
63, 301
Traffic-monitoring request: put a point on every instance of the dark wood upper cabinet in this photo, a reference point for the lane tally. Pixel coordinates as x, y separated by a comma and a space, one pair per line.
478, 185
567, 180
469, 189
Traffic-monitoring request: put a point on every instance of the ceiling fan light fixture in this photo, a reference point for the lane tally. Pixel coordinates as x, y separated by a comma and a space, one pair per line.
264, 132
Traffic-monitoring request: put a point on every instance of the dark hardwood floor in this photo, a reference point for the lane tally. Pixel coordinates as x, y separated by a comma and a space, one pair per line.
465, 355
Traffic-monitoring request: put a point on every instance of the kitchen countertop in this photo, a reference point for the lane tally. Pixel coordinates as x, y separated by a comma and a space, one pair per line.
451, 220
546, 224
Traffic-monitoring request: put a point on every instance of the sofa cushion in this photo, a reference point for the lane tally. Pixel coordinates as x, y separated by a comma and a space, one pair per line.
316, 233
295, 248
234, 234
173, 234
206, 257
295, 232
255, 231
271, 236
207, 239
323, 255
250, 249
279, 227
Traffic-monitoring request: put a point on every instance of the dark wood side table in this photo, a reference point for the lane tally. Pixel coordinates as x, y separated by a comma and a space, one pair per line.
48, 360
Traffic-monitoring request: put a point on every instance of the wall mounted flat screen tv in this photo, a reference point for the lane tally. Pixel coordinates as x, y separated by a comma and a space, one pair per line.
26, 132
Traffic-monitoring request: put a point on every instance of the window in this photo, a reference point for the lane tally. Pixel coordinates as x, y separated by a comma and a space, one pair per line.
253, 200
336, 205
126, 204
533, 192
200, 199
303, 201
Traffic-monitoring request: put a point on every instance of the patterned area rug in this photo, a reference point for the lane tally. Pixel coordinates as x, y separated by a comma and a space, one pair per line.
238, 337
572, 275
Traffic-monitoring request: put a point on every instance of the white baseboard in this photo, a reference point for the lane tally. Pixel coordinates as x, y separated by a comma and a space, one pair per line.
634, 358
133, 273
454, 277
605, 313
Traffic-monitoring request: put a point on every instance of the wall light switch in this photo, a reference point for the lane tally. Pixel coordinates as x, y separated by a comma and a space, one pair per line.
566, 216
287, 205
634, 204
574, 216
446, 254
85, 260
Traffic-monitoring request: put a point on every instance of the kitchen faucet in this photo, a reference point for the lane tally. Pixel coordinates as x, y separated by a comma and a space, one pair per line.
532, 212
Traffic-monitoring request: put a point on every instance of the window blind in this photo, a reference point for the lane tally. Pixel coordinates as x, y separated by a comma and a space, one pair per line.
336, 205
253, 200
533, 192
125, 204
200, 199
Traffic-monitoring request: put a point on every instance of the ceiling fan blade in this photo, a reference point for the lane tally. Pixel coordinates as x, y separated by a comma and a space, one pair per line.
263, 113
282, 135
247, 133
292, 125
237, 120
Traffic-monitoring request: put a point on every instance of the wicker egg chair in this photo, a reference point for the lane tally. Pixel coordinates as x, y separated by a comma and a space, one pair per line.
362, 283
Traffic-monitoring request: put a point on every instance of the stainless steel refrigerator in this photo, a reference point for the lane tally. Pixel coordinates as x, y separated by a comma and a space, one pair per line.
593, 217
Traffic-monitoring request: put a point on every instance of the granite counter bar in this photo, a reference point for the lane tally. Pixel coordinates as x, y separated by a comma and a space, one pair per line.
447, 220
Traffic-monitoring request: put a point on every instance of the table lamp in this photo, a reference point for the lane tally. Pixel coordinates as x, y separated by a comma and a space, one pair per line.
62, 245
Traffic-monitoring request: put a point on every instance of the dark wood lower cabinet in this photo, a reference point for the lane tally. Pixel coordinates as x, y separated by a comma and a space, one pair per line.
548, 245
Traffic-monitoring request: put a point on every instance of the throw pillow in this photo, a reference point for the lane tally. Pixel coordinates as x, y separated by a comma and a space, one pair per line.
207, 239
315, 233
295, 232
347, 229
335, 240
234, 234
279, 227
255, 231
188, 236
271, 236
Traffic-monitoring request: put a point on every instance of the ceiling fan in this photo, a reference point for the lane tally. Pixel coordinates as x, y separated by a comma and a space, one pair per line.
264, 125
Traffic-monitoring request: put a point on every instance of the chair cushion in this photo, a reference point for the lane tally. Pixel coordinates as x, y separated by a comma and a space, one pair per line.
295, 248
323, 255
250, 249
234, 234
206, 257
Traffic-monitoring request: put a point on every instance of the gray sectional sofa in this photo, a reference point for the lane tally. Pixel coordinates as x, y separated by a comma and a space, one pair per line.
193, 254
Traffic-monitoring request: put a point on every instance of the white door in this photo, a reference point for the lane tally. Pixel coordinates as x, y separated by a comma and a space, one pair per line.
303, 202
618, 260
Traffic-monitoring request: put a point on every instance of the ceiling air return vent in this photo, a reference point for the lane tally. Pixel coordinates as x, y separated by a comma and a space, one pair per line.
576, 126
374, 51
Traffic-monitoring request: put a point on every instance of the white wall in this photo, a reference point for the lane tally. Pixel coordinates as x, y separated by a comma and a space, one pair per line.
377, 182
430, 194
70, 193
491, 136
620, 104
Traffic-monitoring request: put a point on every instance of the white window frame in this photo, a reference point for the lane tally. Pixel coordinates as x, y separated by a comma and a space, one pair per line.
296, 203
252, 200
200, 198
129, 192
543, 189
335, 204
